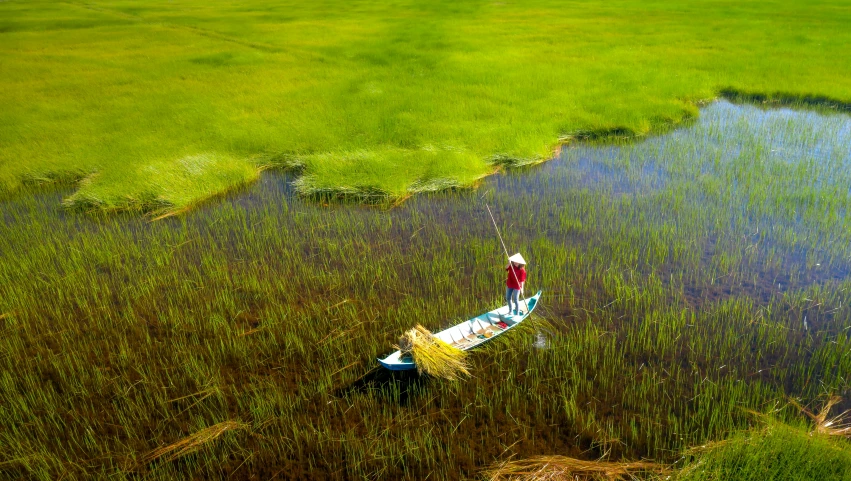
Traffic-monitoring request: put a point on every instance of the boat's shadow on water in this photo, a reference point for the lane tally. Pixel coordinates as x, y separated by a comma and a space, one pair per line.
396, 387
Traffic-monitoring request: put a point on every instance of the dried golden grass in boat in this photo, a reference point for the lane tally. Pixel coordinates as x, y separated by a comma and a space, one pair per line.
433, 356
558, 468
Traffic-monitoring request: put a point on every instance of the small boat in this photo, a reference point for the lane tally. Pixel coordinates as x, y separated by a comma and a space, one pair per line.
470, 334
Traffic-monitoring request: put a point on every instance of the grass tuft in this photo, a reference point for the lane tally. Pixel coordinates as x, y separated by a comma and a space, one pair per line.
776, 451
507, 161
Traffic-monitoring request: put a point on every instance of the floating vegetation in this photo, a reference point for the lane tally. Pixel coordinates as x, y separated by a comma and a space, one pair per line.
563, 468
192, 443
433, 356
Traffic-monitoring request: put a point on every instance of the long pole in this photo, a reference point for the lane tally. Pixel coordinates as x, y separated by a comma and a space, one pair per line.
507, 256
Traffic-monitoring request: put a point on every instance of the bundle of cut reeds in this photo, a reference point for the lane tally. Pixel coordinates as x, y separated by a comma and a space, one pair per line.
433, 356
193, 442
558, 468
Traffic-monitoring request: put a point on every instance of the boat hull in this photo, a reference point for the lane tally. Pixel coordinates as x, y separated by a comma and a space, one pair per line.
469, 334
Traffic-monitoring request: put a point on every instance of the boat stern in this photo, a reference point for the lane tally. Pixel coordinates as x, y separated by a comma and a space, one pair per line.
395, 362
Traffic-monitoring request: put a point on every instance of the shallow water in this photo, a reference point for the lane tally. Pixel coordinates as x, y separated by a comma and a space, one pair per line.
733, 204
721, 146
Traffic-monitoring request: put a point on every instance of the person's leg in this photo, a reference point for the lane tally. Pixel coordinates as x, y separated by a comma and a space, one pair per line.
516, 301
508, 298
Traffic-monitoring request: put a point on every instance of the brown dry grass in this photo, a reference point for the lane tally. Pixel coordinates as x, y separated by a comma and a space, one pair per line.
193, 442
838, 425
563, 468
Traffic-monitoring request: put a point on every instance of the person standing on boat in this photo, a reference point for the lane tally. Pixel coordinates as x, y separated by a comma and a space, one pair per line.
514, 283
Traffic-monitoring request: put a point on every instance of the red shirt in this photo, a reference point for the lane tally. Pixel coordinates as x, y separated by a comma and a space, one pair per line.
512, 281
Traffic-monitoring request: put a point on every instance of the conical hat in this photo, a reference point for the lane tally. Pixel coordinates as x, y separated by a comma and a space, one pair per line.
518, 259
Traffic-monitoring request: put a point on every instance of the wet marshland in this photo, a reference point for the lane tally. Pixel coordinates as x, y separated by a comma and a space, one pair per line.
687, 278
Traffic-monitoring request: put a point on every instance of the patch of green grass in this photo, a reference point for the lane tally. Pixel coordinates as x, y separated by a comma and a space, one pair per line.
162, 185
361, 90
389, 173
776, 452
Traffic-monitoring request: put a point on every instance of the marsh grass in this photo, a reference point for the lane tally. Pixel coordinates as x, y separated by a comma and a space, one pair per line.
781, 99
687, 279
773, 451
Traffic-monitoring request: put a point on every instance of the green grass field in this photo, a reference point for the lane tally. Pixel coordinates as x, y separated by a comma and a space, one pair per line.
161, 104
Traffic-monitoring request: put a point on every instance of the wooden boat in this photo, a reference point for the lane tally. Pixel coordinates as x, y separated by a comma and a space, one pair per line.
471, 333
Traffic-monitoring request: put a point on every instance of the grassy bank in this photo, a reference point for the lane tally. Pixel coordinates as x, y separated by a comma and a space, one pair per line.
774, 452
371, 99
